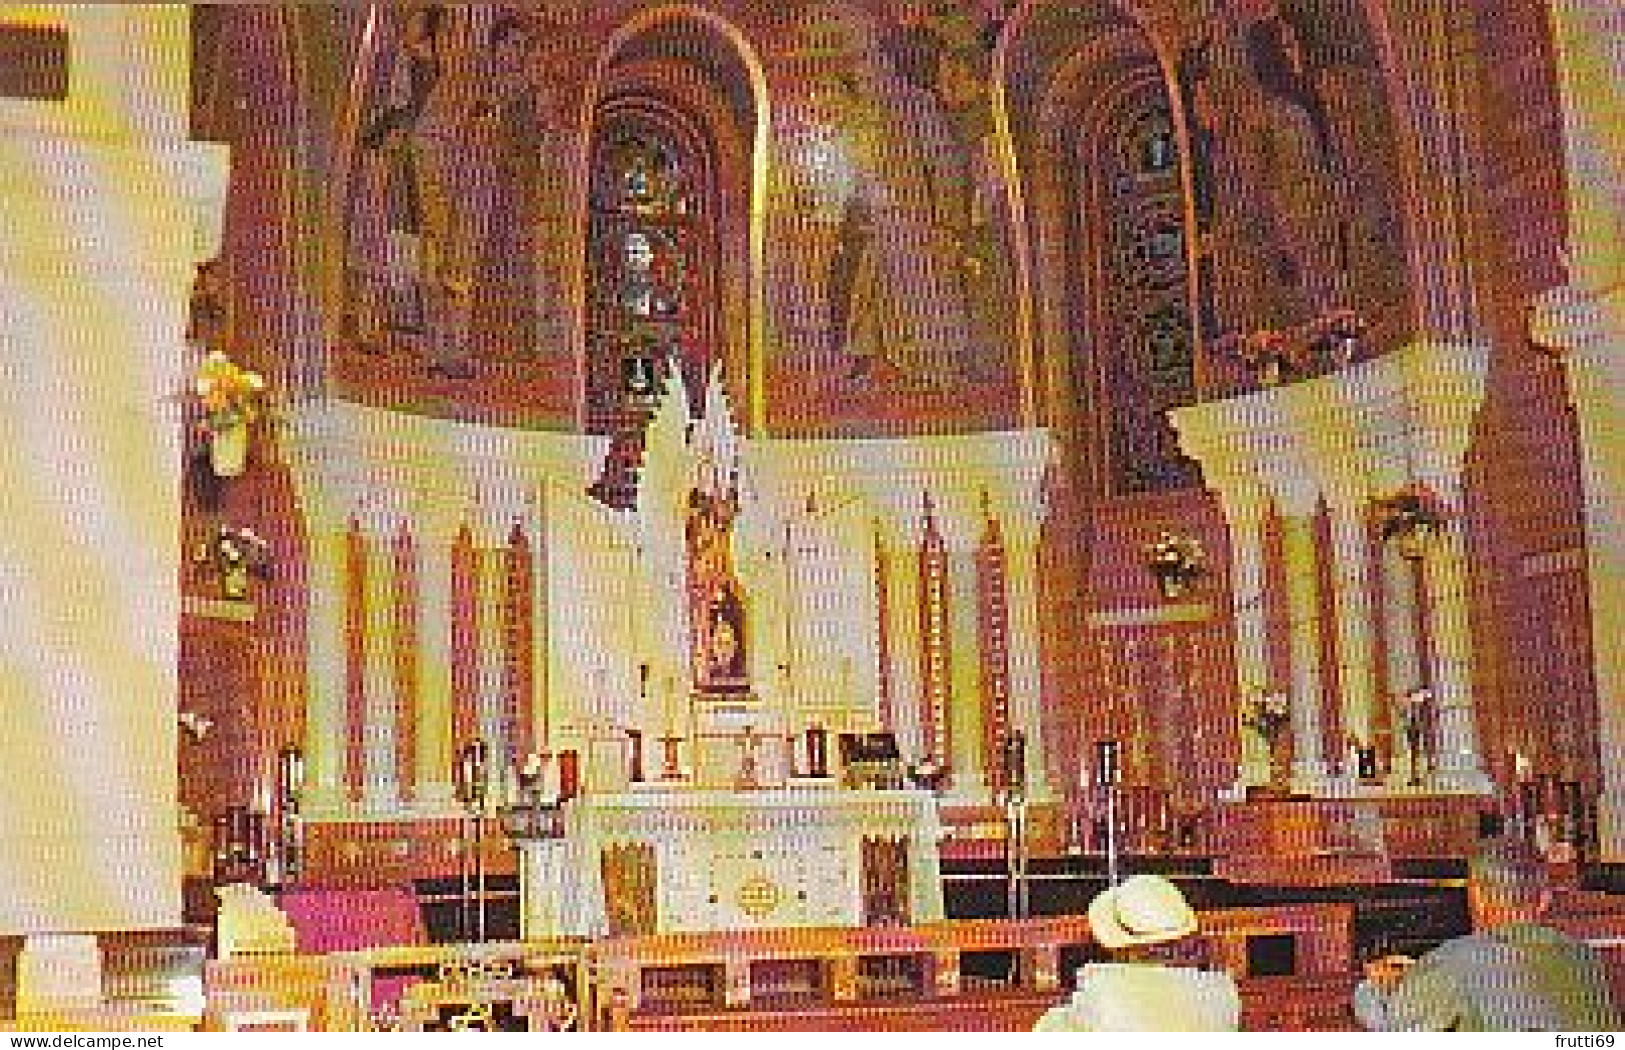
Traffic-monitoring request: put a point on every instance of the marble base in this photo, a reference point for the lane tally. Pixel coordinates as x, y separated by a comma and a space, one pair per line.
59, 973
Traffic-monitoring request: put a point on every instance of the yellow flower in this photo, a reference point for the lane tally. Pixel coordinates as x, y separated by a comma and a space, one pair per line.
229, 393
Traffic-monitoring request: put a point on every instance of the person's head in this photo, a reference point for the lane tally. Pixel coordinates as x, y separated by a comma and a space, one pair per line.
640, 254
1140, 916
1506, 883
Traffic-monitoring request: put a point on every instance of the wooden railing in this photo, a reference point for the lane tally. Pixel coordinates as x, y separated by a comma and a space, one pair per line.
1293, 964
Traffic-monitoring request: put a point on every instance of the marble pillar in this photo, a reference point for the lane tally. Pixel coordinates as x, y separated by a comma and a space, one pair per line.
380, 792
326, 669
1298, 550
1458, 766
432, 742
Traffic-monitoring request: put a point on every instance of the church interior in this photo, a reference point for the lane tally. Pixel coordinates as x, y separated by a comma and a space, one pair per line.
727, 515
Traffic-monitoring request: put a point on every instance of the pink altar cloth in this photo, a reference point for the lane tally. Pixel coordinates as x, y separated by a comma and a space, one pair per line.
340, 920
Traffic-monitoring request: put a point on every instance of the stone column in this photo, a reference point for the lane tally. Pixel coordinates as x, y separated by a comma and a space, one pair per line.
964, 668
1245, 507
1591, 75
326, 671
1303, 619
1589, 328
901, 541
1444, 578
1585, 321
1403, 649
541, 715
1026, 672
491, 651
380, 781
1351, 595
432, 742
1436, 83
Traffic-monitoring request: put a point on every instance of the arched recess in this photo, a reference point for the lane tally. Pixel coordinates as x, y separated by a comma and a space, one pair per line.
672, 239
1108, 220
1288, 162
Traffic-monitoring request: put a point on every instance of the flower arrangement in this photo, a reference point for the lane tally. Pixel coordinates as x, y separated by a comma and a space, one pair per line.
1271, 352
1176, 562
1410, 516
1276, 353
1267, 714
230, 393
1414, 714
237, 554
231, 401
1338, 333
1339, 324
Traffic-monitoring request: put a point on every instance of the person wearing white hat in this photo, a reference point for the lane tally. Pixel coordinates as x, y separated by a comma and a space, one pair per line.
1137, 921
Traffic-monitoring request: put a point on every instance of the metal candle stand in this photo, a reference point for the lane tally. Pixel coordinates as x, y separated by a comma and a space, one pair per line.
473, 783
1014, 786
289, 849
1108, 774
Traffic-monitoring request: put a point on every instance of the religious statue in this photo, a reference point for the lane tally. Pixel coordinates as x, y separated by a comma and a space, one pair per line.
716, 603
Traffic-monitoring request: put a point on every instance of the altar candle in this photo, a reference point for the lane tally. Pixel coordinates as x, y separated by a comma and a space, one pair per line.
1520, 764
1107, 756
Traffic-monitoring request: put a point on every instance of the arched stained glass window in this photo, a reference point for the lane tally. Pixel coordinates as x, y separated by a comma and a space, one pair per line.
1138, 202
651, 256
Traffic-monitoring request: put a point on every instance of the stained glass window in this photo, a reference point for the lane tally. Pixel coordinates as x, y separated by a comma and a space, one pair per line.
1138, 202
650, 242
651, 253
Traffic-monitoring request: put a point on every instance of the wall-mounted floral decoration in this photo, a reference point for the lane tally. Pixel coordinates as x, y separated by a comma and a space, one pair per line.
231, 396
1273, 355
1338, 335
1410, 517
1176, 562
1268, 714
236, 555
1277, 355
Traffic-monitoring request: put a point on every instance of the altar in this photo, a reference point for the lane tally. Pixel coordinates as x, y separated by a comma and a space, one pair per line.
690, 860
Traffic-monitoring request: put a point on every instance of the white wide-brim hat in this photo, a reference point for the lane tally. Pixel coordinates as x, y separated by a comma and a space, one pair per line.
1142, 909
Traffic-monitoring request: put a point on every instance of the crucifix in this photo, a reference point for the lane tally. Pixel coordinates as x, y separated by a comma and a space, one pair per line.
669, 769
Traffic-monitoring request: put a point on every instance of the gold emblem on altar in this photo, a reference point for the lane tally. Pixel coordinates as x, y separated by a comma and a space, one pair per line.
759, 897
477, 1018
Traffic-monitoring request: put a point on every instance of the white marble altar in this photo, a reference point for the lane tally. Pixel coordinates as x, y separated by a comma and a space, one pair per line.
732, 859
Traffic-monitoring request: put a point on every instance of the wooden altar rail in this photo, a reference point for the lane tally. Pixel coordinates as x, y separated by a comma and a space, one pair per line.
1269, 1004
1295, 963
1331, 841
